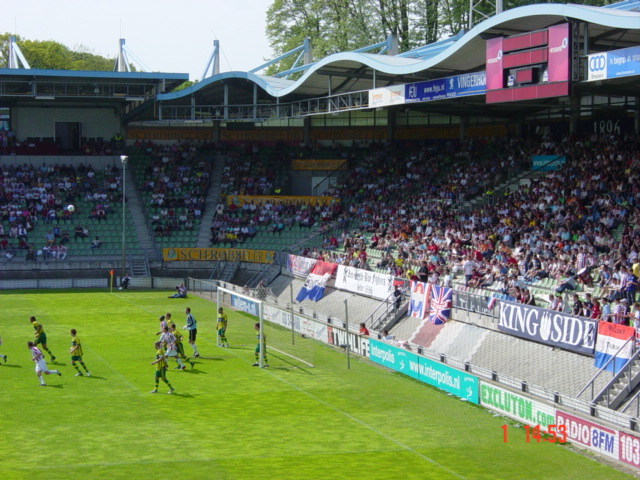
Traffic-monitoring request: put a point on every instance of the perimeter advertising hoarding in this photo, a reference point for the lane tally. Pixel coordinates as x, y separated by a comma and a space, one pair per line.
217, 254
588, 434
615, 64
442, 376
245, 305
516, 406
449, 87
386, 96
440, 89
554, 67
300, 324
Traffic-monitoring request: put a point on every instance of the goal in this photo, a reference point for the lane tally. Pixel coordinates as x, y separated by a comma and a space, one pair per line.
283, 343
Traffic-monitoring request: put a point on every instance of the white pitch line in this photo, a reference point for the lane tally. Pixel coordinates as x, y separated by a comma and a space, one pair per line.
373, 429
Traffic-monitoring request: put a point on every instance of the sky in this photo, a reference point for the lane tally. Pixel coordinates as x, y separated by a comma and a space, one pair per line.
167, 36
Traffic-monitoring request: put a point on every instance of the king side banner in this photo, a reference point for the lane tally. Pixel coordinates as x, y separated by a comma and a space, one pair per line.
551, 328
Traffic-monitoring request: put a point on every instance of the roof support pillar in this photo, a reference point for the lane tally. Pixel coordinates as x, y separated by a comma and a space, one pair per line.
226, 102
255, 101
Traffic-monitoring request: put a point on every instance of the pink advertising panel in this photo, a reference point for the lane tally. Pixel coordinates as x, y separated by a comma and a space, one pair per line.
558, 66
494, 64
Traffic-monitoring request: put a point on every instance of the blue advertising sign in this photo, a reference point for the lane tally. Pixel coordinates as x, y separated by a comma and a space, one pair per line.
442, 376
244, 305
448, 87
546, 162
623, 62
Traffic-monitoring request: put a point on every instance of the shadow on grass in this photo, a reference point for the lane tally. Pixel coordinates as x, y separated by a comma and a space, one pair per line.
11, 365
193, 371
183, 395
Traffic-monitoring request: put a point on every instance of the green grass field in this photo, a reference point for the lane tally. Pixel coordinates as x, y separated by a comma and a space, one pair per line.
229, 420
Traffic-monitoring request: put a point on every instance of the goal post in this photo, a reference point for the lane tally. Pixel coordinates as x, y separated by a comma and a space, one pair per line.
246, 304
277, 338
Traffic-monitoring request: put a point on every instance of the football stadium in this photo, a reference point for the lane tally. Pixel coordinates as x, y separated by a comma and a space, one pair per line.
379, 264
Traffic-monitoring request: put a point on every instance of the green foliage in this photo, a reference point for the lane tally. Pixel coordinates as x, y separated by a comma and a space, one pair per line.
228, 420
51, 55
184, 85
345, 25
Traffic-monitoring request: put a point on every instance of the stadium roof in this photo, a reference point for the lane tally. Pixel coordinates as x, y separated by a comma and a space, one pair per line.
612, 28
609, 29
18, 85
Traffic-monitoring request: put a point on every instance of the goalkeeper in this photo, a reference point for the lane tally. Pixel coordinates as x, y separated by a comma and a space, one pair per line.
221, 326
261, 347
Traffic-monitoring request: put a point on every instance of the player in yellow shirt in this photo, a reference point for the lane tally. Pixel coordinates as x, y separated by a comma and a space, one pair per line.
161, 368
260, 347
76, 354
221, 326
41, 337
179, 346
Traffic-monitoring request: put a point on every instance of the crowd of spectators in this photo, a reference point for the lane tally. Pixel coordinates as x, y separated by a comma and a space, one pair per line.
249, 171
575, 226
176, 180
32, 196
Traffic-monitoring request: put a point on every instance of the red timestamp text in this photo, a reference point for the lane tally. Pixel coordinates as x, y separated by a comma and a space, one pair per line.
552, 434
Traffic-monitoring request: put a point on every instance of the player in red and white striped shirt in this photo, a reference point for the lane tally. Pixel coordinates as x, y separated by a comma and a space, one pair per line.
41, 366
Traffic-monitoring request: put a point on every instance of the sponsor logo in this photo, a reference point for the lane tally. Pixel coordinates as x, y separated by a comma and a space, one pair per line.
597, 63
496, 59
384, 355
563, 45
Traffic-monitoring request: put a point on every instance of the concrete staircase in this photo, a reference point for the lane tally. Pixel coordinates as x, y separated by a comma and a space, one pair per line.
624, 384
211, 201
134, 205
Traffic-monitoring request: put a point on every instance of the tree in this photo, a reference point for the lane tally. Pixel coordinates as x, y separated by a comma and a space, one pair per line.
344, 25
51, 55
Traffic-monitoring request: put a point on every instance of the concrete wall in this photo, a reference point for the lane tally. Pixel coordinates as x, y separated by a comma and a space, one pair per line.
40, 121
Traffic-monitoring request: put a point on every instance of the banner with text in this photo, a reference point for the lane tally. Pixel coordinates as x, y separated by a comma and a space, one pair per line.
516, 406
244, 305
302, 325
239, 200
364, 282
300, 266
439, 375
547, 162
612, 340
448, 87
169, 134
472, 302
312, 164
552, 328
341, 338
616, 63
313, 287
217, 254
583, 432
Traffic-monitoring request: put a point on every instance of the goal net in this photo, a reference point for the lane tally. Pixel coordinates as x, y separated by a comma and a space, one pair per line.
276, 340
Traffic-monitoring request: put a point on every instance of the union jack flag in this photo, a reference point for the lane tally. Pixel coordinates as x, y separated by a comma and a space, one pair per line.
440, 307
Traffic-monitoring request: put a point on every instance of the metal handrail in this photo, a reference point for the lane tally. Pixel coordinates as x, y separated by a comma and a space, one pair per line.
591, 383
390, 305
626, 368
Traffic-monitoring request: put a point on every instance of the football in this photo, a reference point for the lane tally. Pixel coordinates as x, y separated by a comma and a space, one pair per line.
71, 208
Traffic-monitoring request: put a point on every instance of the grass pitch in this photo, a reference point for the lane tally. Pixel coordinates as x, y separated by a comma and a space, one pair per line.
228, 420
